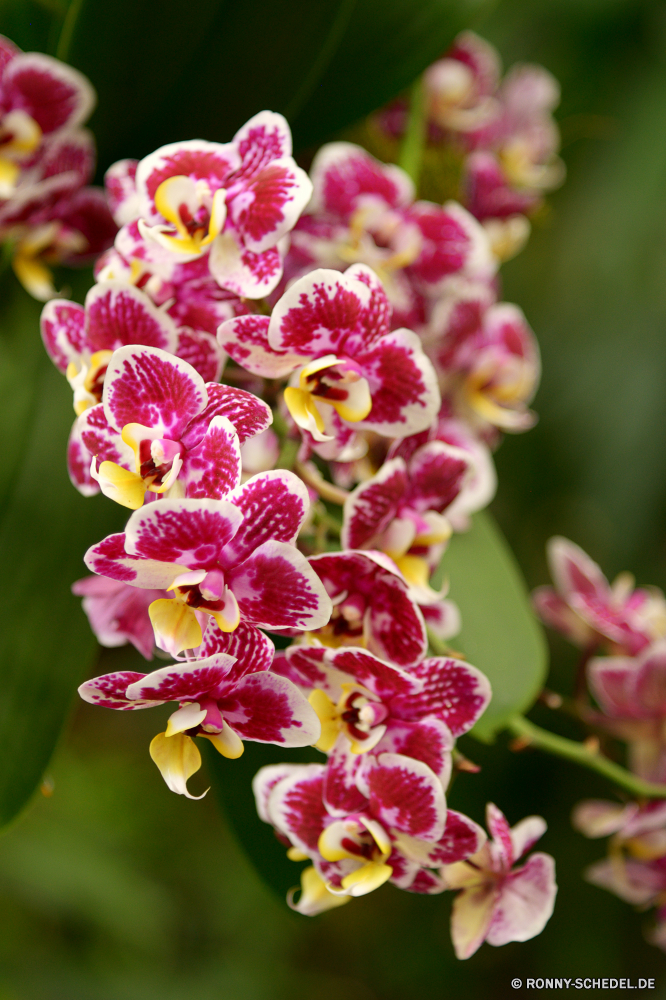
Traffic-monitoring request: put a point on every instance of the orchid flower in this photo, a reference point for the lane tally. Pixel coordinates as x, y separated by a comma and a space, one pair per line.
330, 332
498, 903
632, 694
226, 695
232, 559
118, 613
366, 704
160, 428
589, 611
232, 202
396, 829
486, 357
402, 511
363, 211
45, 159
371, 607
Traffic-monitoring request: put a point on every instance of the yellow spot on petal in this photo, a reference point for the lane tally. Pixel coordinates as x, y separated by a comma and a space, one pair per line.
228, 743
175, 624
178, 759
119, 484
327, 714
414, 569
315, 896
303, 409
367, 879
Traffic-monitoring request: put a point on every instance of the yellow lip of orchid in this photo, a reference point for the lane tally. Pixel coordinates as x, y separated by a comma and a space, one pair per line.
175, 622
83, 379
315, 896
303, 400
178, 759
125, 487
181, 191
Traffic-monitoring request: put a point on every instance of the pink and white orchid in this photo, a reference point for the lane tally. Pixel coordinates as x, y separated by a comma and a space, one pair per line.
232, 559
160, 428
232, 202
363, 211
398, 828
632, 694
371, 607
486, 357
496, 903
330, 333
226, 695
402, 511
365, 703
118, 613
590, 612
45, 159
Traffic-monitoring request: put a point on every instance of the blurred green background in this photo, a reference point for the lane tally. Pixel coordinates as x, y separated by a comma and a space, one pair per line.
112, 888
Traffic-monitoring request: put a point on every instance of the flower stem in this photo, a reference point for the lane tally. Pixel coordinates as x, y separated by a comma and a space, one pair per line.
413, 141
580, 754
311, 475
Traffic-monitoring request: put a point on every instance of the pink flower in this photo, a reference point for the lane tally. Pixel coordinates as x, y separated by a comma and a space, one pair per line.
45, 159
187, 291
402, 511
231, 202
226, 696
590, 612
233, 559
330, 332
632, 694
486, 357
371, 607
363, 211
398, 829
160, 428
498, 904
365, 703
461, 87
117, 613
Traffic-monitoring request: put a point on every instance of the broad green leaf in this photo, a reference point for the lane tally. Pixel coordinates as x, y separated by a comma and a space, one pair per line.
45, 528
500, 634
232, 782
163, 74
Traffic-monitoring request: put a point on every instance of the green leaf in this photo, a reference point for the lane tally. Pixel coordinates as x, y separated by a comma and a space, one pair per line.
45, 528
500, 634
232, 782
164, 75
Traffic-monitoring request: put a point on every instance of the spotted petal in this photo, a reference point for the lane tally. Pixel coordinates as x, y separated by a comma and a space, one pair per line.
454, 691
318, 312
371, 507
191, 681
53, 94
342, 173
147, 386
213, 467
428, 740
252, 649
461, 839
102, 440
437, 473
403, 385
269, 709
118, 314
295, 806
265, 781
276, 588
192, 533
383, 679
120, 184
269, 203
109, 558
245, 339
341, 793
249, 414
201, 350
78, 462
405, 795
265, 137
395, 627
274, 505
242, 271
63, 331
110, 691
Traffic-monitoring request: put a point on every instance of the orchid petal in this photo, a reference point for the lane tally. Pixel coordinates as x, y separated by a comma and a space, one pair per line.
177, 758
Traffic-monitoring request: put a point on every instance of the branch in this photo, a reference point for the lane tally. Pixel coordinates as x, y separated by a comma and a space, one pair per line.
311, 475
580, 754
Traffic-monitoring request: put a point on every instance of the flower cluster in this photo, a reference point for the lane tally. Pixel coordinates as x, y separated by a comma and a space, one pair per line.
628, 684
499, 131
47, 214
438, 270
334, 298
